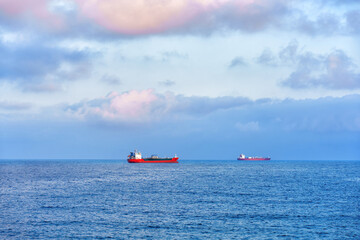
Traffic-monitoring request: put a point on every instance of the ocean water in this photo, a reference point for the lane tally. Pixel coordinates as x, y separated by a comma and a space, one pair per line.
190, 200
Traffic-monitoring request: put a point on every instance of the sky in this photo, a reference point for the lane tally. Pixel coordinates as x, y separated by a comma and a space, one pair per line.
203, 79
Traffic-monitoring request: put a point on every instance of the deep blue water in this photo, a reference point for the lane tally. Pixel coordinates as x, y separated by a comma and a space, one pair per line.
189, 200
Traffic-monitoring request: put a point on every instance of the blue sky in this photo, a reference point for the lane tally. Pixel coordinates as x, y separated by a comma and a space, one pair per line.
199, 78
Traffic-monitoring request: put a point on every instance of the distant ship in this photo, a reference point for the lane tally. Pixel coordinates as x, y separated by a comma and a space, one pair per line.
135, 157
242, 157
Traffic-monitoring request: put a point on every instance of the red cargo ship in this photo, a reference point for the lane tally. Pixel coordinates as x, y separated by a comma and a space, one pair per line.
135, 157
243, 158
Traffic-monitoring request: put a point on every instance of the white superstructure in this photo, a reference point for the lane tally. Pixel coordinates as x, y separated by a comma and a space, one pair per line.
135, 155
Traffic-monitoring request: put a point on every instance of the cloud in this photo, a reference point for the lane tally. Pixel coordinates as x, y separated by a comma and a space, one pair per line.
319, 115
111, 80
41, 87
40, 65
31, 12
267, 58
136, 106
341, 2
290, 52
167, 83
325, 24
237, 62
252, 16
16, 106
142, 17
288, 128
205, 105
287, 55
333, 71
329, 114
148, 106
353, 21
123, 18
166, 56
182, 16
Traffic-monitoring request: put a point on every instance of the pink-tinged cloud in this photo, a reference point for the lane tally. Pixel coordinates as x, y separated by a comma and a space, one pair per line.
134, 106
31, 11
139, 17
147, 106
145, 17
19, 7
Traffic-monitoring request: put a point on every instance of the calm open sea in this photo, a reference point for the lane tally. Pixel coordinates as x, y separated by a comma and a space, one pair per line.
190, 200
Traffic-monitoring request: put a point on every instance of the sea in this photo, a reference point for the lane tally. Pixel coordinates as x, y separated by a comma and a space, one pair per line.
112, 199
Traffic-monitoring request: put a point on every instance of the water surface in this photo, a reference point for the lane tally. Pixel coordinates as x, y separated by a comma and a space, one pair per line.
87, 199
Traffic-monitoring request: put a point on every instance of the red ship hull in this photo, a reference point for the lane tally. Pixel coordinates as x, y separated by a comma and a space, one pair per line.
169, 160
253, 159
